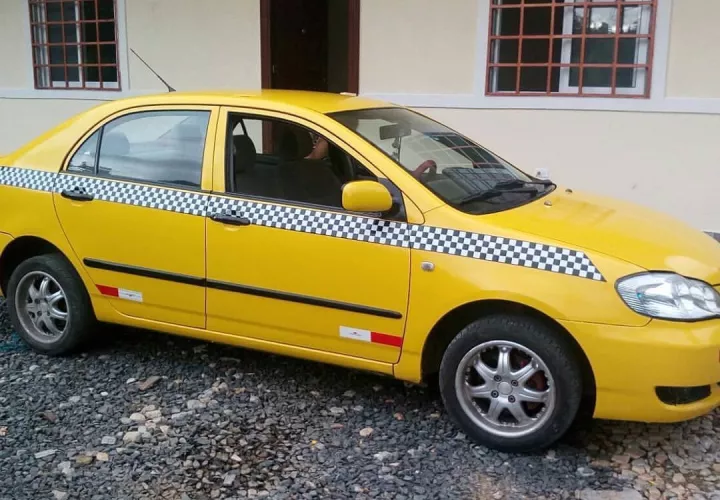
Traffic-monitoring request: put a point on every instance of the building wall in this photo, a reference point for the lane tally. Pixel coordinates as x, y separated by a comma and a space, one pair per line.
693, 70
193, 45
417, 46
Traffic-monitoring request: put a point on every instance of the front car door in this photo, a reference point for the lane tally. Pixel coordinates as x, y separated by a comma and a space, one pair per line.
285, 262
130, 203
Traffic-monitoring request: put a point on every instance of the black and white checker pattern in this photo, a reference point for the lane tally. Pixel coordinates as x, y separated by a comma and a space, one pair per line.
36, 180
307, 220
139, 195
427, 238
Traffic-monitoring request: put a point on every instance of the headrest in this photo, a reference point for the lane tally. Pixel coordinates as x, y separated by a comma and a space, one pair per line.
245, 153
115, 143
295, 143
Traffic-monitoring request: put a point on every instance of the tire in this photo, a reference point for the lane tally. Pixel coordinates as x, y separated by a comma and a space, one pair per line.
487, 419
74, 301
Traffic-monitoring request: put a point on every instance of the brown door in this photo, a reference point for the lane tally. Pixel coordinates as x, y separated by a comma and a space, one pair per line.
310, 44
298, 30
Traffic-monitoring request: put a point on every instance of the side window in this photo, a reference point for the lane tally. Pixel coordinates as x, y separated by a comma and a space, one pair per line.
155, 146
83, 161
275, 159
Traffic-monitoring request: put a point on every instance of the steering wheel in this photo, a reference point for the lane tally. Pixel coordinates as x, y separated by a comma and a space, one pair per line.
424, 167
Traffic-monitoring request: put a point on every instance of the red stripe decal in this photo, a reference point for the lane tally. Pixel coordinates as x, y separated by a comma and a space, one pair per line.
385, 339
108, 290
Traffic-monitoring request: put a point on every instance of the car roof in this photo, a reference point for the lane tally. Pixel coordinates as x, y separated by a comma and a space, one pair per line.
321, 102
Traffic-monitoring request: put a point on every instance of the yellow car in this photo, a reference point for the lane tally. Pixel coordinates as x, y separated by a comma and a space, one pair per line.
350, 231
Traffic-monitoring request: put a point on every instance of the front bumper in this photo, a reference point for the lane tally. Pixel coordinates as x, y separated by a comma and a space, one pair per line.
630, 364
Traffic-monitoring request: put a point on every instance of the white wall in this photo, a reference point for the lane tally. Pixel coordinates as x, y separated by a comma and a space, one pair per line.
417, 46
693, 66
194, 44
670, 162
15, 69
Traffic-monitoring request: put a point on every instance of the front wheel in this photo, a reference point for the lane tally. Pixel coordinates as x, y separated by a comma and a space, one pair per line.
511, 383
48, 304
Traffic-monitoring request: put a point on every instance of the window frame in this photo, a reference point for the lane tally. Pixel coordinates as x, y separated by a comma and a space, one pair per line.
43, 47
221, 175
643, 87
207, 157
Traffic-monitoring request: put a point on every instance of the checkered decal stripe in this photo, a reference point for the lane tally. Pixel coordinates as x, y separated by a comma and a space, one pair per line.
138, 195
337, 225
428, 238
36, 180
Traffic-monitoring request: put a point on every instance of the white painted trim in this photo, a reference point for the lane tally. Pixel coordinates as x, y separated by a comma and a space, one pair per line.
30, 92
657, 103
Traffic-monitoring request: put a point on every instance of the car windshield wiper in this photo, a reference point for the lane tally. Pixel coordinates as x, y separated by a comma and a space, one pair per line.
518, 183
494, 193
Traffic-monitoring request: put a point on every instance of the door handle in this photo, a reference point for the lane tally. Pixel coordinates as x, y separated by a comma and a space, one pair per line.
233, 220
76, 195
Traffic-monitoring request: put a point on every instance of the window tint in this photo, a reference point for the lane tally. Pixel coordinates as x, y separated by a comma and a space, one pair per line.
280, 160
157, 146
83, 160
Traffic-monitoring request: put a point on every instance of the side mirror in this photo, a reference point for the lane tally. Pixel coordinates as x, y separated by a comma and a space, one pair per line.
366, 196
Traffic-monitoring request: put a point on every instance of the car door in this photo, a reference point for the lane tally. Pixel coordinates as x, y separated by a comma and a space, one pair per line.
130, 201
285, 263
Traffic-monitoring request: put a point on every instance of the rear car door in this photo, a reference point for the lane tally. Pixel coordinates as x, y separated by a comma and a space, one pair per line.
130, 200
286, 263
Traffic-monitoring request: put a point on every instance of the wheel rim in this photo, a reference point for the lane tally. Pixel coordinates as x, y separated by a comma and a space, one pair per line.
42, 307
505, 388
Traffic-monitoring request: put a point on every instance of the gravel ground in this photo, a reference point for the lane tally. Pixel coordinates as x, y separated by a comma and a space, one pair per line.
143, 415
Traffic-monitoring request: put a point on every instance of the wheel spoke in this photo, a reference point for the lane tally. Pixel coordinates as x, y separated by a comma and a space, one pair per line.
524, 373
50, 325
517, 411
53, 298
44, 287
31, 307
484, 370
56, 313
494, 410
503, 366
531, 395
480, 391
33, 292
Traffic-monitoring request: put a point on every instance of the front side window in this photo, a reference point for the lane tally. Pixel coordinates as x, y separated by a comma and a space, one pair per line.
276, 159
75, 44
571, 47
456, 169
163, 147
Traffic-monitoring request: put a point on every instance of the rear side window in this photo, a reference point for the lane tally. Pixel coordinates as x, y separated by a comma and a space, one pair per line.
155, 146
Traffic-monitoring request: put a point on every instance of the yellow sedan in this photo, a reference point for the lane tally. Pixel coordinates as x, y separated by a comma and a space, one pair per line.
354, 232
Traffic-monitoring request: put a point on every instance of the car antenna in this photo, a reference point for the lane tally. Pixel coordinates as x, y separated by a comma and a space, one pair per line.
170, 89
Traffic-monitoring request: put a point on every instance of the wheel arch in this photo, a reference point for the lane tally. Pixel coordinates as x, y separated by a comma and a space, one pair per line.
455, 320
19, 250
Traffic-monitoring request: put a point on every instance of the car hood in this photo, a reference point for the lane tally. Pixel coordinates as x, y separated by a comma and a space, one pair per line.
641, 236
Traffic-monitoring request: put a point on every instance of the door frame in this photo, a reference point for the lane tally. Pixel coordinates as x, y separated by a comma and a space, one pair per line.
353, 83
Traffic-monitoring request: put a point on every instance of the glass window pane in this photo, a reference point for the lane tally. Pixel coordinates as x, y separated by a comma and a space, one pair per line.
106, 9
84, 158
302, 166
505, 51
158, 146
536, 21
504, 79
53, 11
107, 32
599, 50
597, 77
506, 22
533, 79
536, 50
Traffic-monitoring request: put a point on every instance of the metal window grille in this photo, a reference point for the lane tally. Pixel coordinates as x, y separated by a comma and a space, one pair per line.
74, 44
571, 47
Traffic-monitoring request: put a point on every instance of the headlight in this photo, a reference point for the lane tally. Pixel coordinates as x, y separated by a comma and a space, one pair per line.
669, 296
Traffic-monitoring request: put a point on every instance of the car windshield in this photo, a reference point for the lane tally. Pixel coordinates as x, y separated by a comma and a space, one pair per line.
452, 166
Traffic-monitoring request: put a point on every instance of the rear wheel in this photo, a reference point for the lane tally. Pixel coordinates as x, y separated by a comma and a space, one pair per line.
510, 383
48, 304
